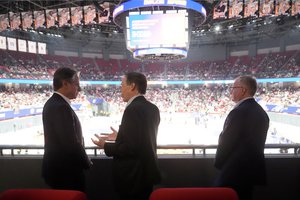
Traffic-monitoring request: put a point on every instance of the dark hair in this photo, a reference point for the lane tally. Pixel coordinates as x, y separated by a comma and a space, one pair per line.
138, 79
61, 74
250, 83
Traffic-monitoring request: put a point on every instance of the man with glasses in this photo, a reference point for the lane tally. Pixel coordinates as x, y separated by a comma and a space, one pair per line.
64, 158
240, 153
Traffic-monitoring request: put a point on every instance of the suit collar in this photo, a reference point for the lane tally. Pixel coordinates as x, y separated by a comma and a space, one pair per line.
132, 98
240, 102
64, 97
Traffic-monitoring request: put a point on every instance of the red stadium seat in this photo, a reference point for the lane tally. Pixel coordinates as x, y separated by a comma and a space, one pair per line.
194, 194
42, 194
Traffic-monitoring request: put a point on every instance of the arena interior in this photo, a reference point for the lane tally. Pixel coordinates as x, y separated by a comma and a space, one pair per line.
191, 90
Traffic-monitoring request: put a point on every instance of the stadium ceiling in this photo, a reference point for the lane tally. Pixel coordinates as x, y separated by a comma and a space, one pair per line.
210, 32
26, 5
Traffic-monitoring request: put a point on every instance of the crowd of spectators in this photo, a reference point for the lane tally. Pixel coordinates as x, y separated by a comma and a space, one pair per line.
173, 98
212, 99
31, 66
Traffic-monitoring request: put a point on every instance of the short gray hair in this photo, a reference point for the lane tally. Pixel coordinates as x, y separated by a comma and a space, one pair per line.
249, 82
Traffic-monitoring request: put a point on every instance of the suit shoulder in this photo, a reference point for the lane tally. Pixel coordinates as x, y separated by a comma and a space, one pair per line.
55, 102
142, 103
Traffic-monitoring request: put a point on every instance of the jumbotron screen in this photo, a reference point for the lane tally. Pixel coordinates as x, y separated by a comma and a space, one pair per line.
157, 29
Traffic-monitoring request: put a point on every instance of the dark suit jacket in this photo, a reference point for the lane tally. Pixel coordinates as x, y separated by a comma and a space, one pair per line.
240, 153
64, 150
135, 165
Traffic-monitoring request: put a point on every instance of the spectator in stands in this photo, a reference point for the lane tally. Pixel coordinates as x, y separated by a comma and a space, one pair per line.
135, 167
240, 152
65, 158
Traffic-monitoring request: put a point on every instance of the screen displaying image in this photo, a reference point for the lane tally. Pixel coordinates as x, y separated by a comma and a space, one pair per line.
235, 9
266, 8
89, 14
76, 15
15, 21
51, 18
220, 10
39, 18
251, 8
105, 14
27, 20
4, 23
63, 16
157, 30
282, 7
295, 7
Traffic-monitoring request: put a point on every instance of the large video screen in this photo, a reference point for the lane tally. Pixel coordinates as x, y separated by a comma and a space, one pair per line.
150, 30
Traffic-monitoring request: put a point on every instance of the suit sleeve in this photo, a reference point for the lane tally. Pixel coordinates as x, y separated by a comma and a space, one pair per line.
229, 138
128, 141
66, 133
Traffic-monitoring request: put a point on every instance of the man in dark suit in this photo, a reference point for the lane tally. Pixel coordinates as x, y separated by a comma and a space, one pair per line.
240, 153
64, 158
135, 166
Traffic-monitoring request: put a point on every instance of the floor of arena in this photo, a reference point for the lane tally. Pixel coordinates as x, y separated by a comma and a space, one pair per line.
175, 128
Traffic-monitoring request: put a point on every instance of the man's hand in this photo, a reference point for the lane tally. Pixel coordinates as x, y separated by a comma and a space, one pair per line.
100, 140
113, 135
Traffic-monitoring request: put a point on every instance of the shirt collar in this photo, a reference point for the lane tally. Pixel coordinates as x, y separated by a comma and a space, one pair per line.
132, 98
241, 101
64, 97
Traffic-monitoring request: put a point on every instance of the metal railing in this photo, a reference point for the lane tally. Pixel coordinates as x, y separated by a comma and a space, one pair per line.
32, 150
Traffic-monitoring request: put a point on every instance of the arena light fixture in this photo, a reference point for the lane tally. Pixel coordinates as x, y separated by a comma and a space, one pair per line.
160, 54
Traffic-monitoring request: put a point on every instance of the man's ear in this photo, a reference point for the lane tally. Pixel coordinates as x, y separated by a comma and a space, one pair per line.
64, 83
244, 91
132, 86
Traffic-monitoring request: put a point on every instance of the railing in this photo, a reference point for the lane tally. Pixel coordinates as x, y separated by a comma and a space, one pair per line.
194, 150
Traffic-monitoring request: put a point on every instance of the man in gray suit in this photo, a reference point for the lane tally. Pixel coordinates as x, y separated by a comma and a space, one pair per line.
240, 153
135, 166
64, 158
